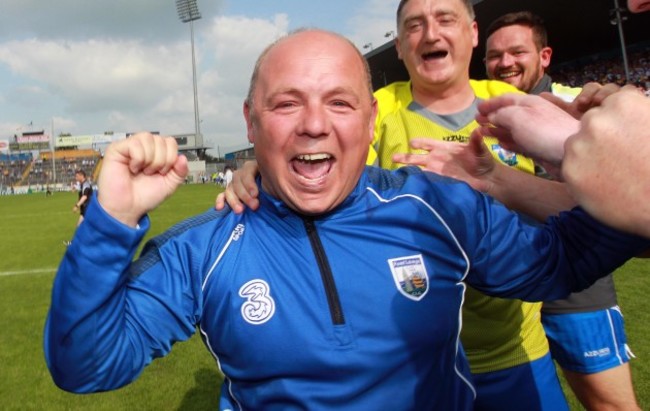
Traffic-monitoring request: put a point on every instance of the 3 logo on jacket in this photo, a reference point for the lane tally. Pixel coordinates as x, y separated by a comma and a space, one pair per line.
259, 306
410, 276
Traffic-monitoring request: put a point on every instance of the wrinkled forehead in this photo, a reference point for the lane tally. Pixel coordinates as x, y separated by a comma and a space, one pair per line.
408, 8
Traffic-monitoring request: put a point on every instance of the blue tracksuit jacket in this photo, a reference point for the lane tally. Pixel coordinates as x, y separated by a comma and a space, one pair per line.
357, 309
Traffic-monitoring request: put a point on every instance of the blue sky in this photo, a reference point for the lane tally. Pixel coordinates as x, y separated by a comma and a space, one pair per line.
85, 67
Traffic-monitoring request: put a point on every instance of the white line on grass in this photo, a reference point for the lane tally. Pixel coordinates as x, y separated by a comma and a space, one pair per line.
25, 272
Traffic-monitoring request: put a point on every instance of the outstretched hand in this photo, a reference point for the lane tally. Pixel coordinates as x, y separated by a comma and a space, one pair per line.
606, 164
471, 162
138, 174
528, 124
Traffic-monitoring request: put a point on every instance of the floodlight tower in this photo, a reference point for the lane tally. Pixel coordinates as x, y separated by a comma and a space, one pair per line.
188, 11
617, 17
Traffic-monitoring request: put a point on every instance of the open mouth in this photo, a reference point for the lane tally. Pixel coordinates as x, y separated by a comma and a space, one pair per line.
312, 166
435, 55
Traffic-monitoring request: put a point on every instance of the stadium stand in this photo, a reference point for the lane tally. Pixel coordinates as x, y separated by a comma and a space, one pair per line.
13, 168
605, 69
40, 171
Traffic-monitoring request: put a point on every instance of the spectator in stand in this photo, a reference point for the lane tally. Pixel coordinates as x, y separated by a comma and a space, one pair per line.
606, 70
517, 52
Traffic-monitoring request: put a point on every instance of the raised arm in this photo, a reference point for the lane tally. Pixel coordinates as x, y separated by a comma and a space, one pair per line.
106, 322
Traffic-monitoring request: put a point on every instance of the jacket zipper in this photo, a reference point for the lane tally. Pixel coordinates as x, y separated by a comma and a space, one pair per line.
325, 272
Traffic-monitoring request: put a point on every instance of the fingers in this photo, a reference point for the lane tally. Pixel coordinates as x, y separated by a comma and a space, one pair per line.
410, 159
632, 88
138, 174
242, 191
476, 142
147, 154
485, 108
247, 178
160, 154
592, 95
429, 148
220, 202
560, 102
502, 111
238, 199
500, 133
428, 144
233, 200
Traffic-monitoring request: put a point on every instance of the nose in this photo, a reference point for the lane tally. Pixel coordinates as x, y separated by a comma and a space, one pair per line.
431, 30
506, 60
314, 121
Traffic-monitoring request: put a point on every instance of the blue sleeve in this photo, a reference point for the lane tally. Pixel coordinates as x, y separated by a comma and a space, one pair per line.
97, 333
514, 258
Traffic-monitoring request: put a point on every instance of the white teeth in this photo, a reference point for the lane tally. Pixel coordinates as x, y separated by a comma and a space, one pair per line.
313, 157
508, 74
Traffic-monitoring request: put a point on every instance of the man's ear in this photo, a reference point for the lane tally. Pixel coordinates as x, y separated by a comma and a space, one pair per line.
249, 123
397, 43
545, 57
474, 34
373, 119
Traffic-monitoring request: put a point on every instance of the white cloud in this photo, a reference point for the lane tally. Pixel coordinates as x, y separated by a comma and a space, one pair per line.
93, 69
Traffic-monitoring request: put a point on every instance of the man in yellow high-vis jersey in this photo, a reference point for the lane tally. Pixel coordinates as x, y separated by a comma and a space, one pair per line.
504, 339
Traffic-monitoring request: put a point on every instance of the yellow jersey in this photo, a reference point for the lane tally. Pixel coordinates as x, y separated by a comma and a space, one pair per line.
497, 333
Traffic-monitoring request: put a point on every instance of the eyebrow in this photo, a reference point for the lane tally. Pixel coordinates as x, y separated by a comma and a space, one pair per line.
340, 90
436, 13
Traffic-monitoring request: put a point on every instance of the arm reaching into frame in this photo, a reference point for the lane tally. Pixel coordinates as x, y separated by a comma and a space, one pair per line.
606, 164
538, 126
474, 164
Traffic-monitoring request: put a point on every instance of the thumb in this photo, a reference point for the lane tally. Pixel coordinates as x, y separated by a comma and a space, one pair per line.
476, 141
179, 170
